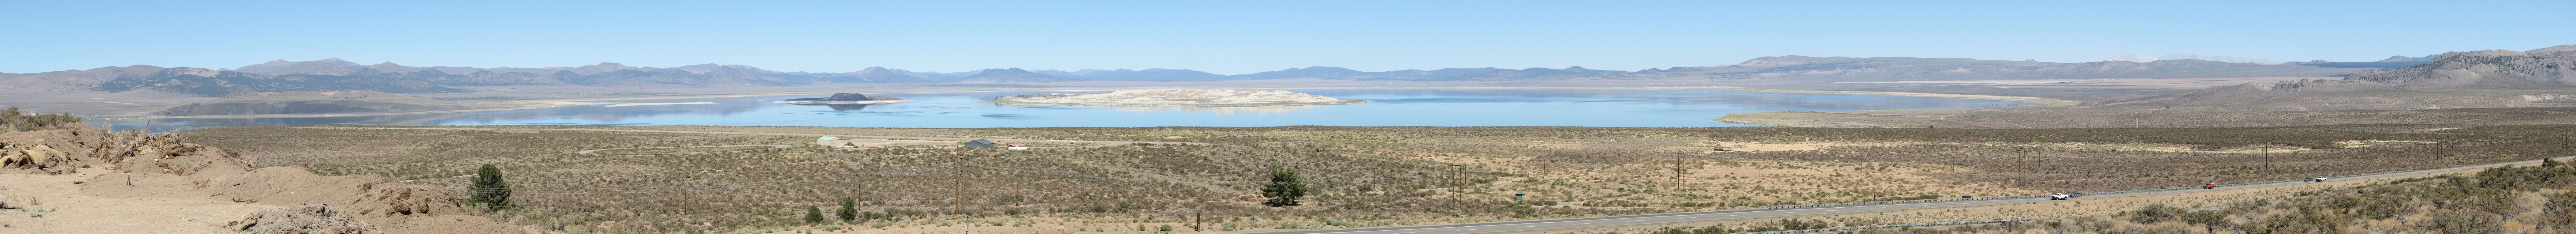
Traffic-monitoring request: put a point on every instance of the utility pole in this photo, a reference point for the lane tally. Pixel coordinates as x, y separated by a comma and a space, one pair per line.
1456, 170
1198, 218
957, 186
1677, 170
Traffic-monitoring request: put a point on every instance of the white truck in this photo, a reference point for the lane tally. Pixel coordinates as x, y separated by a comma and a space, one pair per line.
2060, 196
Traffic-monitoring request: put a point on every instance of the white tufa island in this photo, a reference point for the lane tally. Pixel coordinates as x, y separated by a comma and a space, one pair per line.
1182, 97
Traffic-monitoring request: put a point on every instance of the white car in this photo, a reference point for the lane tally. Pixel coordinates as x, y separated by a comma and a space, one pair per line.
2060, 196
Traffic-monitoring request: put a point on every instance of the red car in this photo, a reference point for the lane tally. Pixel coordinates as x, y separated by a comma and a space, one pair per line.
2208, 186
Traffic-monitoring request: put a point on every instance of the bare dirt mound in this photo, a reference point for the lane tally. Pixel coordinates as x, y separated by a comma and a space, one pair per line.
129, 167
301, 219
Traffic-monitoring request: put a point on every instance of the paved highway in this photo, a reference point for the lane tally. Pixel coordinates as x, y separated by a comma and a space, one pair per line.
1692, 217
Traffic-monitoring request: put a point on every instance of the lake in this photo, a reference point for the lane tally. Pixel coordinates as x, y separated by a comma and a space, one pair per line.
1388, 107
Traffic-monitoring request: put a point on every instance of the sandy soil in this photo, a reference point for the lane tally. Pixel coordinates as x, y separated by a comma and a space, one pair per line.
127, 183
74, 212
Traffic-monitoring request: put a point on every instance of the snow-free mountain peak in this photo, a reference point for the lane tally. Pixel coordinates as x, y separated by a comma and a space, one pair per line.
2132, 57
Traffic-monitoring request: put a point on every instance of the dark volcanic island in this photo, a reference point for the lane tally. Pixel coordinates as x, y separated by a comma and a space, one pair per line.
845, 98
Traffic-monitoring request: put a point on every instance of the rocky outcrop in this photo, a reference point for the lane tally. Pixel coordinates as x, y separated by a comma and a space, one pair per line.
1183, 97
38, 157
312, 103
300, 219
845, 98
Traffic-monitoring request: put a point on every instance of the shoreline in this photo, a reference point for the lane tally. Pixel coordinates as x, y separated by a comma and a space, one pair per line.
843, 102
551, 103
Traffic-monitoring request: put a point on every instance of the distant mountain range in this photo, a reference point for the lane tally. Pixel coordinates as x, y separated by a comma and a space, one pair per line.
1904, 68
2543, 77
2135, 57
339, 75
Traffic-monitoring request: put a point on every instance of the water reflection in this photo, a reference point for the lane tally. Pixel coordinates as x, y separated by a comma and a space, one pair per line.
839, 107
1218, 110
1388, 107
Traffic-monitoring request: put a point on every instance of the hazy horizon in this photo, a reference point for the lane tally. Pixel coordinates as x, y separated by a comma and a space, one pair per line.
1235, 38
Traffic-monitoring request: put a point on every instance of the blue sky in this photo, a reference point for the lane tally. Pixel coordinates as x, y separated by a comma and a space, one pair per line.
1236, 37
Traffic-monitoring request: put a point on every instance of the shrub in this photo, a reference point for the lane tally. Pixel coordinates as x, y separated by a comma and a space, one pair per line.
16, 121
489, 190
813, 214
2153, 213
849, 209
1284, 187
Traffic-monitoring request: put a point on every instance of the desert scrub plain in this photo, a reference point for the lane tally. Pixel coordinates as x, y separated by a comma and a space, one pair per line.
2522, 199
1363, 176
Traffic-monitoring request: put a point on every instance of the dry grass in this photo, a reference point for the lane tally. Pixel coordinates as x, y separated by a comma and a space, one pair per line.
680, 150
1567, 171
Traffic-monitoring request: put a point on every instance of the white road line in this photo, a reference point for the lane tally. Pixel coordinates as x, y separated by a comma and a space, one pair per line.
1879, 208
1632, 220
1689, 218
1466, 229
1735, 215
1835, 210
1524, 226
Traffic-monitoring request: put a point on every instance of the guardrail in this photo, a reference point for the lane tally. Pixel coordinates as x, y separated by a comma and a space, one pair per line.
1888, 226
2037, 196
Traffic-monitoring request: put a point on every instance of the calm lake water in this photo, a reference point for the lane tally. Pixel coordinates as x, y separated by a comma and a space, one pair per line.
1388, 107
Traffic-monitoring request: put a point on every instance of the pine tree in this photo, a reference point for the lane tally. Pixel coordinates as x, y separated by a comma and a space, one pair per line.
813, 214
489, 191
1284, 187
849, 209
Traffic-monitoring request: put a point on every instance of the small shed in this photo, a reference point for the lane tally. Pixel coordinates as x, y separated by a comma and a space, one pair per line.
979, 144
1016, 146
